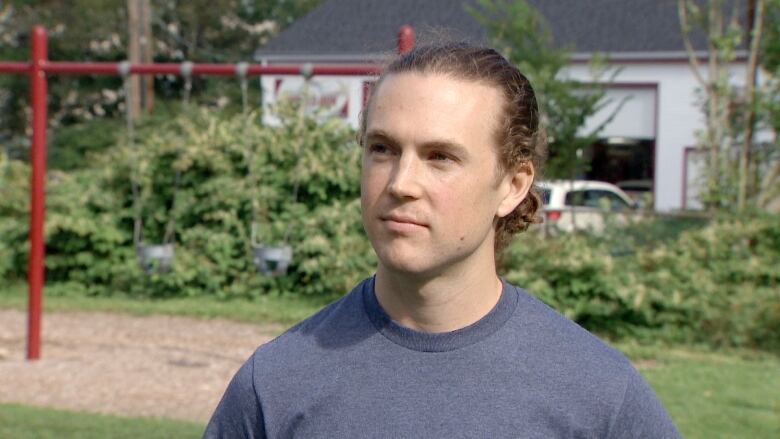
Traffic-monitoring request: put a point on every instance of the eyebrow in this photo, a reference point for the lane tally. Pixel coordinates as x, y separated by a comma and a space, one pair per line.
445, 144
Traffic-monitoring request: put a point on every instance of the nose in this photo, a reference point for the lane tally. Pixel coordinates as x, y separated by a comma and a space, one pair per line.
405, 180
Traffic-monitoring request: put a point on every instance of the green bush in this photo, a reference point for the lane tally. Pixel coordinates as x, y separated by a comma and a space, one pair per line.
715, 283
722, 281
70, 147
14, 217
298, 181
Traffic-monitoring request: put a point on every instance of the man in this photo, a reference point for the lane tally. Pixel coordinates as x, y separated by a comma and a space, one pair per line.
435, 344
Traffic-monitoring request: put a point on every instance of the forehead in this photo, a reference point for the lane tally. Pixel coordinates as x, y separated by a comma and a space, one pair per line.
419, 107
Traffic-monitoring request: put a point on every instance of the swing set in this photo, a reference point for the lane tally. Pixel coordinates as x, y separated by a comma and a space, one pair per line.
269, 260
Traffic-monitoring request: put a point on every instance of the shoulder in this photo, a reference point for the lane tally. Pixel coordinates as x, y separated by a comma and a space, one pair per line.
283, 365
338, 324
641, 414
592, 378
561, 336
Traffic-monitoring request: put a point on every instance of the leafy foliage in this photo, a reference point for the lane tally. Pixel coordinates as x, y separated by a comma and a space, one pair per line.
96, 30
716, 283
769, 107
742, 168
14, 211
70, 147
722, 280
302, 179
522, 34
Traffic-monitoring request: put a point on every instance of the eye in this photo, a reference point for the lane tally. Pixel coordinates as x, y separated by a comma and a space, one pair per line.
439, 156
378, 148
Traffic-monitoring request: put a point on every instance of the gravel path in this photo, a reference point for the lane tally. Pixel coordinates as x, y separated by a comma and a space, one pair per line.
162, 366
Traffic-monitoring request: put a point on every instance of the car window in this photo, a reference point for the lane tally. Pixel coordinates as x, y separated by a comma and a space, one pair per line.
545, 193
597, 199
616, 203
575, 198
605, 200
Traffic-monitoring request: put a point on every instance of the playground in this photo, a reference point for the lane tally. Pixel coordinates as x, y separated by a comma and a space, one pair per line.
151, 366
692, 304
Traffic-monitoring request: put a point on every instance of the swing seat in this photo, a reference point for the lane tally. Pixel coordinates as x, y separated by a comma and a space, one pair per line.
155, 257
272, 261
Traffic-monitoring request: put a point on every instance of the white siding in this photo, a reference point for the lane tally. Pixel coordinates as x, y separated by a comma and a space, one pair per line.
636, 118
679, 117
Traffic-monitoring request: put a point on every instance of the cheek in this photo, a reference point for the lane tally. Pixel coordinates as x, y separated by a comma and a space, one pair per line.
456, 201
372, 184
466, 205
466, 188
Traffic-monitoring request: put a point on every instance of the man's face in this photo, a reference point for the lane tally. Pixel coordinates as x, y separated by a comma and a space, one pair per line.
429, 190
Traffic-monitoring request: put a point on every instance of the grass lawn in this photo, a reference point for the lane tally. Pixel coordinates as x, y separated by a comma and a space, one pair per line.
285, 310
720, 397
21, 422
733, 394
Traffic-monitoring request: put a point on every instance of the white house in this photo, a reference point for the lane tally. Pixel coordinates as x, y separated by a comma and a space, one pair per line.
650, 140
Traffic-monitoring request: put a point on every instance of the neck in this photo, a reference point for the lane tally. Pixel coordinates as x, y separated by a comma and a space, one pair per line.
441, 303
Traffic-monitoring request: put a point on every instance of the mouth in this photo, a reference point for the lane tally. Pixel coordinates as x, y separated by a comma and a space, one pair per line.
402, 223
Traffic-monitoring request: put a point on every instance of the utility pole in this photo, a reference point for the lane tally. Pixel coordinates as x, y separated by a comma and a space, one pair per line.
139, 50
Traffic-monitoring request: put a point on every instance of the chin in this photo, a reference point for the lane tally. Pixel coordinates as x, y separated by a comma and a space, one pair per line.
405, 262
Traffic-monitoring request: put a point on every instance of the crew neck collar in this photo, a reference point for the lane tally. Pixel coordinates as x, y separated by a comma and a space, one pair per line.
439, 341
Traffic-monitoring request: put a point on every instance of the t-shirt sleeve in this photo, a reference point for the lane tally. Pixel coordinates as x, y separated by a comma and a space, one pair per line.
239, 414
641, 414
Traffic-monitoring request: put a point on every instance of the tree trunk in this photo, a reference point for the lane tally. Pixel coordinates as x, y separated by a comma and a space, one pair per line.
133, 101
139, 50
751, 77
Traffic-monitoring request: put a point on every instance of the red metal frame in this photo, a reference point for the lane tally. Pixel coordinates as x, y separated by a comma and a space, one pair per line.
405, 38
38, 91
37, 69
112, 68
14, 67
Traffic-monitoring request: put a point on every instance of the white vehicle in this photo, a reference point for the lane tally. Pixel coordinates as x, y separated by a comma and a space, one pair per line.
584, 205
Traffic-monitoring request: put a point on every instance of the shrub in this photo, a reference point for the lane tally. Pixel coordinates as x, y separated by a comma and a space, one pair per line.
14, 217
577, 275
71, 146
716, 283
299, 181
722, 281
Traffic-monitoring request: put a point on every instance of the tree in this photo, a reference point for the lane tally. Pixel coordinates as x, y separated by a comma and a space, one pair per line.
769, 105
95, 30
522, 34
737, 174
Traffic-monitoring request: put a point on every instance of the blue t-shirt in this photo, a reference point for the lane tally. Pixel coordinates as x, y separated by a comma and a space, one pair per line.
522, 371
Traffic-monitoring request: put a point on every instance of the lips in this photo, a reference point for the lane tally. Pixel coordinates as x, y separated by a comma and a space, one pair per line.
402, 223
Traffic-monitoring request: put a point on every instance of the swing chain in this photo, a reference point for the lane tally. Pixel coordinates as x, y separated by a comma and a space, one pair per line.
123, 69
241, 71
307, 72
186, 73
170, 230
242, 68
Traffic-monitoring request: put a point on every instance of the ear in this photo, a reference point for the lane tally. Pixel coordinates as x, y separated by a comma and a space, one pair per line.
516, 185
